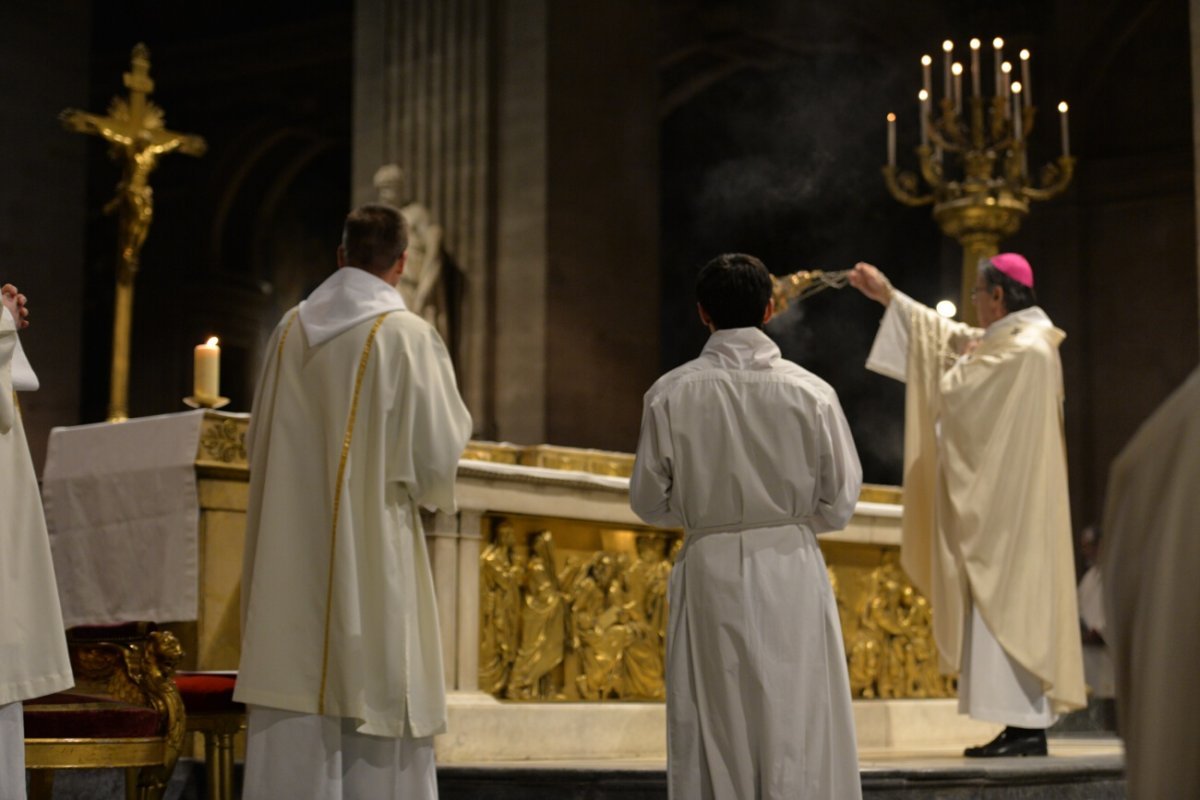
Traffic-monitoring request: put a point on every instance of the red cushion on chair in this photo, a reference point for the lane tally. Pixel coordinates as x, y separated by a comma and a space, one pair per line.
77, 716
208, 693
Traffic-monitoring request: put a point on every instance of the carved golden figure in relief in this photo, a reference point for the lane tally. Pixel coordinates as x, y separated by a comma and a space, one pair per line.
590, 624
543, 627
891, 654
500, 615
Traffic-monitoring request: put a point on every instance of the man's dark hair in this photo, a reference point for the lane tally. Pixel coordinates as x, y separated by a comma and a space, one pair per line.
1017, 296
734, 289
374, 236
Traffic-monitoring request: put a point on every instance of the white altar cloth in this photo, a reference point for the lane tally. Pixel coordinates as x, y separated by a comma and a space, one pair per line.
123, 516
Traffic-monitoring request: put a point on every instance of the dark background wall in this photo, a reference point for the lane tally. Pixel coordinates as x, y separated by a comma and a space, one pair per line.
769, 139
773, 137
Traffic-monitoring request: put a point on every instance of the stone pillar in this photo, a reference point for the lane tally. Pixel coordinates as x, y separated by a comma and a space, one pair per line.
423, 101
442, 537
469, 542
1195, 26
530, 130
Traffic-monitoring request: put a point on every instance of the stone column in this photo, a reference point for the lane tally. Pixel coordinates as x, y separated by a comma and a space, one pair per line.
442, 537
1194, 5
469, 543
530, 130
423, 101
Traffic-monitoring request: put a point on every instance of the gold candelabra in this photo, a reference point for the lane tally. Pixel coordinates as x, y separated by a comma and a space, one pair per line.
973, 158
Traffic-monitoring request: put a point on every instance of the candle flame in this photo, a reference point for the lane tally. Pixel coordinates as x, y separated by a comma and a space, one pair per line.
997, 43
1006, 67
922, 95
926, 60
1024, 55
975, 44
212, 341
1016, 87
1062, 107
957, 68
892, 117
948, 45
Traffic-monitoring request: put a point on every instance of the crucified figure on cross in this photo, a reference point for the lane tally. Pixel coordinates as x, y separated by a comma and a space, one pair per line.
135, 131
137, 137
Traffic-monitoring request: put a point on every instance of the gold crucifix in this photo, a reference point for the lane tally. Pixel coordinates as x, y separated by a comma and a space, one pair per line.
135, 132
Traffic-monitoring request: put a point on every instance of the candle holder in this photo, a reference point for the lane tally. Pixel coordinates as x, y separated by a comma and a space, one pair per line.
973, 164
206, 402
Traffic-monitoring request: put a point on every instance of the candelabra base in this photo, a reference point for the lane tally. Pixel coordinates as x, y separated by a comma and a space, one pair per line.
206, 402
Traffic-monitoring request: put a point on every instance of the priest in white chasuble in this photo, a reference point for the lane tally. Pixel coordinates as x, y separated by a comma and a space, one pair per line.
33, 645
986, 534
1151, 565
751, 455
357, 423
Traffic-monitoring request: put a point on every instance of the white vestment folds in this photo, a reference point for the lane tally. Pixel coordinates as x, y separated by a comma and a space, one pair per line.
752, 456
356, 423
33, 646
986, 525
1151, 559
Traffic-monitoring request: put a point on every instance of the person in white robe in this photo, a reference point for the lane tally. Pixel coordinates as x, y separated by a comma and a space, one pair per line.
357, 423
33, 645
1150, 558
986, 532
1097, 660
751, 455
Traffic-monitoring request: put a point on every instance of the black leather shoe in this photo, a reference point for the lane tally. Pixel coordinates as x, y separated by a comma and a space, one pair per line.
1011, 742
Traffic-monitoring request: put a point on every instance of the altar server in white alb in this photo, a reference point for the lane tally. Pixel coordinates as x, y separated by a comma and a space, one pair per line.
357, 423
751, 455
986, 534
33, 647
1151, 564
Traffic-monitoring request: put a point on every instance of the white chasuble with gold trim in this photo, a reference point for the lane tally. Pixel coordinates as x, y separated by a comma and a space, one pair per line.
356, 423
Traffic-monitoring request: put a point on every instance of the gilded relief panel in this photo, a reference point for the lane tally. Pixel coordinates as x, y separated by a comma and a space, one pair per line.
577, 611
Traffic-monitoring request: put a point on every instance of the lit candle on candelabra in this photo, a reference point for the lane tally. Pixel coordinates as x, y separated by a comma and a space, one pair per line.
926, 73
923, 116
1062, 122
975, 45
1005, 72
948, 49
957, 70
207, 386
891, 139
1025, 77
1016, 111
998, 44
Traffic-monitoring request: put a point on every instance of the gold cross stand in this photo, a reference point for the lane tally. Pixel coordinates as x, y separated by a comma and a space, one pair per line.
135, 132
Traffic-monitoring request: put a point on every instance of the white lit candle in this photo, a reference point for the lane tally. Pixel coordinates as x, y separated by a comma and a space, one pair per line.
1062, 123
926, 73
957, 70
948, 49
923, 116
1025, 77
1005, 72
891, 139
975, 45
998, 44
208, 371
1016, 111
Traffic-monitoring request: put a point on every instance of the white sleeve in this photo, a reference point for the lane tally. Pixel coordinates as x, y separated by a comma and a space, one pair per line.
652, 479
8, 342
24, 379
839, 480
889, 353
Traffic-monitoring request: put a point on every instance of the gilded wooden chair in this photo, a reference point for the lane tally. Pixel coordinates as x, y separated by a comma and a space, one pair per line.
124, 712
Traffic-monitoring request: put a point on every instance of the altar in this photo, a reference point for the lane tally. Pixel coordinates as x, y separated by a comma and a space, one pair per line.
551, 592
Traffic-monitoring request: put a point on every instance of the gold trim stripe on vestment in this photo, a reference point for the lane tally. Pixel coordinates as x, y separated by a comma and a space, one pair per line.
279, 354
337, 499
